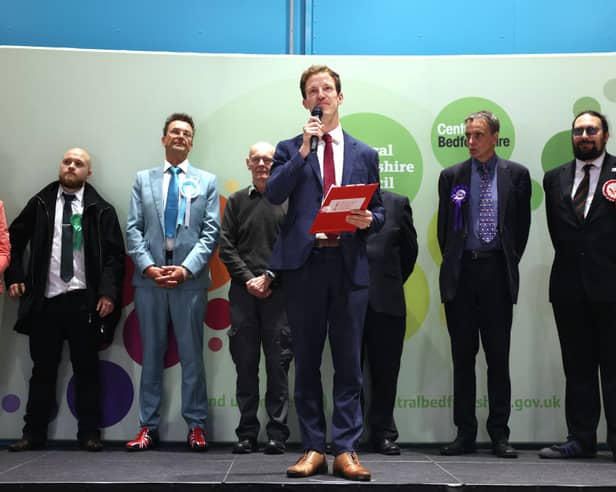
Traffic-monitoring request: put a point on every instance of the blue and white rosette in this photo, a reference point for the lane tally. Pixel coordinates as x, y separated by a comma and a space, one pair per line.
459, 194
189, 189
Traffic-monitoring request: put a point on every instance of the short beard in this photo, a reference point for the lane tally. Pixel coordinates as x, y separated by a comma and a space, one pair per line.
587, 155
71, 183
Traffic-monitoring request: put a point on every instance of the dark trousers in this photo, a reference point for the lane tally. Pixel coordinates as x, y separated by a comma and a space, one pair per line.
482, 309
383, 342
64, 317
255, 323
587, 333
321, 303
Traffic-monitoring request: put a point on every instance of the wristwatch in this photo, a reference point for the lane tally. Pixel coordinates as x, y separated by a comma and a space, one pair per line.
270, 275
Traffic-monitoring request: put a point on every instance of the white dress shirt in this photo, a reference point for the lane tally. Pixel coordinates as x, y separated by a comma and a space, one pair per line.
595, 171
55, 284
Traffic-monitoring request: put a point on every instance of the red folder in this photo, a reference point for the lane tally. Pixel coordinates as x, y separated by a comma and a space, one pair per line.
338, 203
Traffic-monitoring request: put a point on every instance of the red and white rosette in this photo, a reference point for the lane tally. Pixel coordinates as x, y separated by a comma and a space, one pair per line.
609, 190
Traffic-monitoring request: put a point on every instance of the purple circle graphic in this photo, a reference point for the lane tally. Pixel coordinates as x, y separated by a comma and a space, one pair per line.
116, 393
10, 403
132, 342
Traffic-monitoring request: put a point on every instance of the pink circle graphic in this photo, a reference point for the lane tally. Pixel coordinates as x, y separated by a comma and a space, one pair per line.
214, 344
132, 342
218, 314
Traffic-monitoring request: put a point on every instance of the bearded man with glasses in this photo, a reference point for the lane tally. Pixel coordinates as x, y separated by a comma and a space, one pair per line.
581, 214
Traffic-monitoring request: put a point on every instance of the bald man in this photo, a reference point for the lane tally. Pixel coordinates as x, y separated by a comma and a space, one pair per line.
70, 291
250, 226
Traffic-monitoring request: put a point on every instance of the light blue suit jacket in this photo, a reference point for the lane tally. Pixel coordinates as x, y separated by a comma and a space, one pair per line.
145, 231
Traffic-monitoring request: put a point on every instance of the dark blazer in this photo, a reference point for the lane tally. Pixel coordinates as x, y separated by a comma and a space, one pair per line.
103, 252
392, 253
585, 252
513, 185
300, 181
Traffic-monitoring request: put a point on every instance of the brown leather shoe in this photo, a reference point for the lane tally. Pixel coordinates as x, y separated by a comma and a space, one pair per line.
347, 465
311, 463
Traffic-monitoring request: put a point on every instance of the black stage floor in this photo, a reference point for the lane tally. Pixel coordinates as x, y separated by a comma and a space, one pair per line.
174, 468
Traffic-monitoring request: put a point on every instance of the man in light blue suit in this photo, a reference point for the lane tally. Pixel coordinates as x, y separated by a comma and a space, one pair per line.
324, 278
173, 226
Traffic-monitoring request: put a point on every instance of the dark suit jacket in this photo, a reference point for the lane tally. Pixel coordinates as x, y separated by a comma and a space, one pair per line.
513, 185
585, 252
300, 181
391, 254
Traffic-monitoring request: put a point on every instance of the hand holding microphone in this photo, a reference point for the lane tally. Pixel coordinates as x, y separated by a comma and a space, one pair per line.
314, 140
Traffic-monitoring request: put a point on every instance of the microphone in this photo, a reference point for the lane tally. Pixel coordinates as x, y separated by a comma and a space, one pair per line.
314, 140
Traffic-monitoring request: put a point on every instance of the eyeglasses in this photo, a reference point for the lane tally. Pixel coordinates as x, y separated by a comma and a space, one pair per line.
176, 132
266, 160
590, 131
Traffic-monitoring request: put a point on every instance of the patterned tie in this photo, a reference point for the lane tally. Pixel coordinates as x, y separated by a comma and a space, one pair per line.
171, 208
66, 255
329, 172
581, 194
487, 211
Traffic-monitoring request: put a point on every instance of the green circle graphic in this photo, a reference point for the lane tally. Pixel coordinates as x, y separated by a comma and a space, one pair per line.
586, 103
401, 165
448, 131
417, 296
433, 246
557, 151
536, 195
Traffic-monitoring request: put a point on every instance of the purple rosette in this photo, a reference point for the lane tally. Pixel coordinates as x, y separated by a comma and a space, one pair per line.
459, 195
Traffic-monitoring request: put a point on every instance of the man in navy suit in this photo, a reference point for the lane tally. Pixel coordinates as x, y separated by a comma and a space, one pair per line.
172, 230
581, 213
324, 278
483, 225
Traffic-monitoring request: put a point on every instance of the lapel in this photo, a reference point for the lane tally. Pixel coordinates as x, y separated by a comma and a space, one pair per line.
463, 177
567, 176
349, 158
313, 161
503, 184
156, 185
598, 199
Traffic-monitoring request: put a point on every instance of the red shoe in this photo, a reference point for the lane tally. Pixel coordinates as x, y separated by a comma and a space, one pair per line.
146, 439
196, 439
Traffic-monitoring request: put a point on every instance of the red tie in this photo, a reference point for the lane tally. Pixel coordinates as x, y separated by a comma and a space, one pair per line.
329, 172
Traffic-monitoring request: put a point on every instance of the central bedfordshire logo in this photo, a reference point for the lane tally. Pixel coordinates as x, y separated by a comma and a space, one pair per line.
400, 163
448, 133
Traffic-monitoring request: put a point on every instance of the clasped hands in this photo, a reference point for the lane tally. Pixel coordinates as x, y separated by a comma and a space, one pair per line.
259, 286
168, 276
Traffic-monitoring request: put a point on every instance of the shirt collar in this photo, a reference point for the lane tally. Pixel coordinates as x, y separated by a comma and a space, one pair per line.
182, 165
491, 164
337, 135
78, 194
598, 162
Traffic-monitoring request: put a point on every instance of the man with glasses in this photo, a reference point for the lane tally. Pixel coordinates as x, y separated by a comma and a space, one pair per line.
249, 228
173, 225
581, 212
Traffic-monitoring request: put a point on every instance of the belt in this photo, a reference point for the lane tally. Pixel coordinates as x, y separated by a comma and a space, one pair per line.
168, 257
477, 254
326, 242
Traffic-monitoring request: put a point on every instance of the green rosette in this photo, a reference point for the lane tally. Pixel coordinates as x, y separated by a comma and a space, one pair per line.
77, 231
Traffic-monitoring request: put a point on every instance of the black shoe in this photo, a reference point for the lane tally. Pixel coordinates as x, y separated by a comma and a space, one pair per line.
244, 446
503, 449
458, 447
570, 449
92, 444
387, 447
25, 444
275, 447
